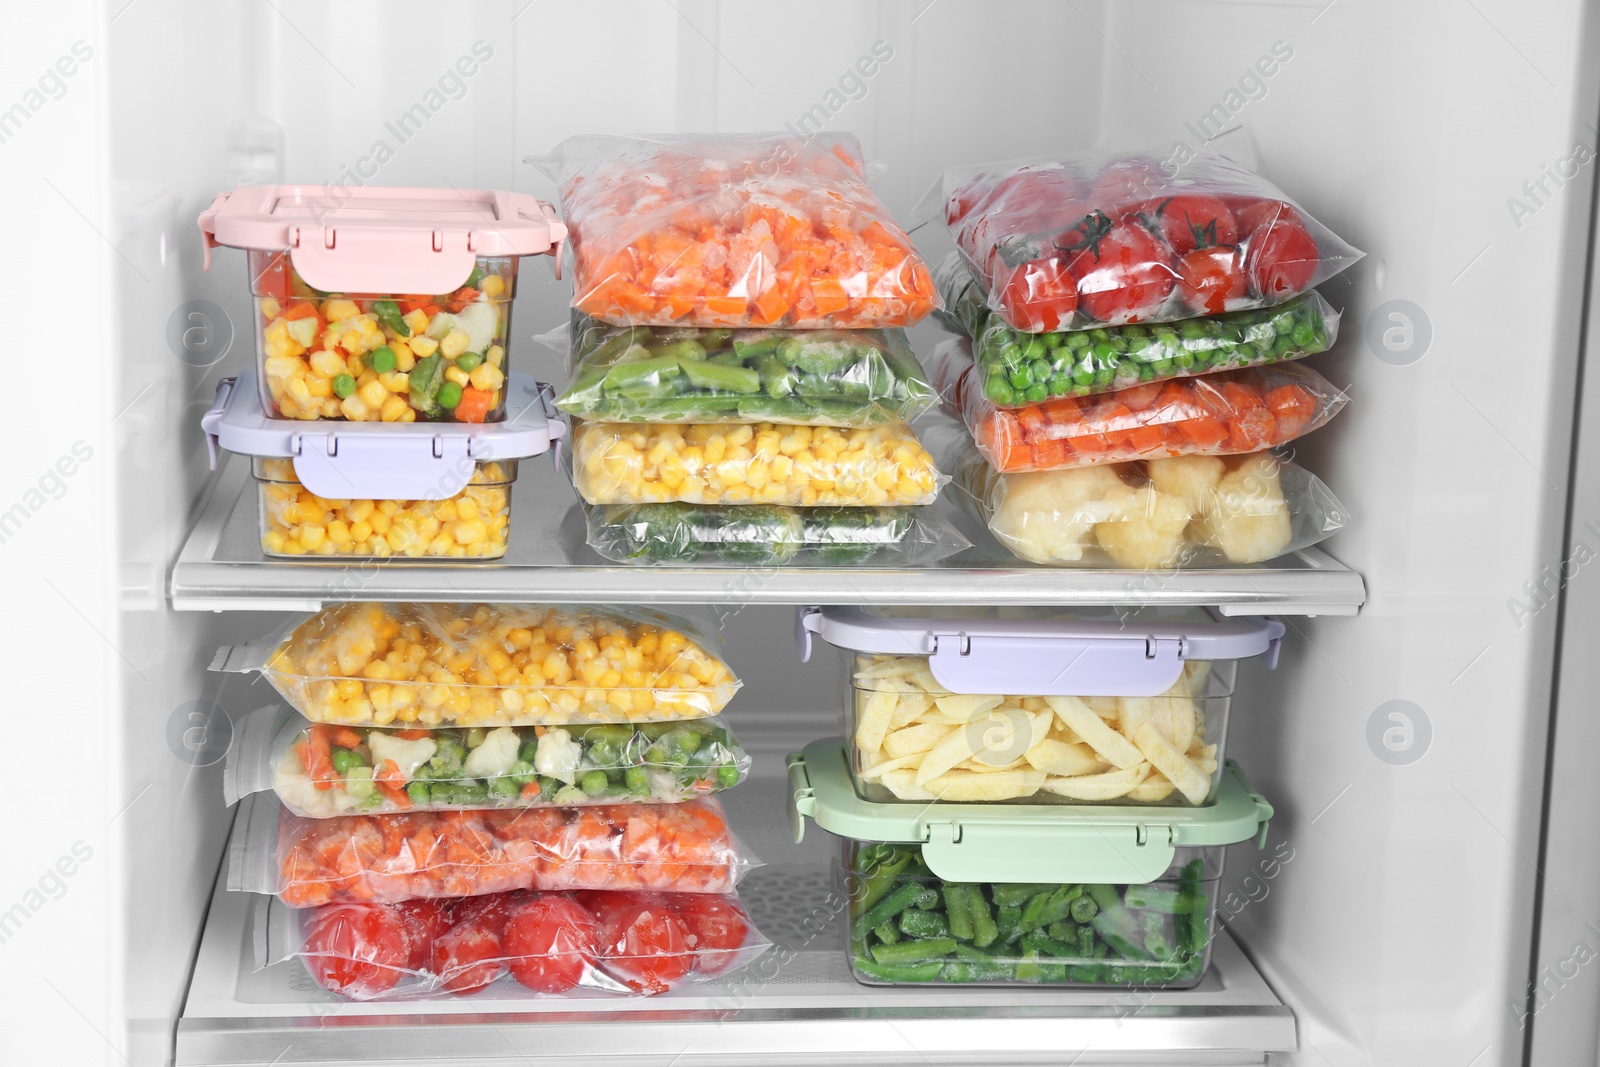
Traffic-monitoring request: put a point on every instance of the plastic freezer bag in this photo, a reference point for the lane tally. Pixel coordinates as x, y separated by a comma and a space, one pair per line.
759, 535
758, 463
1220, 414
675, 374
319, 771
1016, 369
489, 665
616, 941
1188, 511
734, 230
685, 848
1073, 241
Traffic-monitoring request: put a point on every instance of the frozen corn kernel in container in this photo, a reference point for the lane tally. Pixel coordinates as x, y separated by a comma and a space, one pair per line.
908, 926
379, 304
734, 230
473, 524
759, 463
486, 665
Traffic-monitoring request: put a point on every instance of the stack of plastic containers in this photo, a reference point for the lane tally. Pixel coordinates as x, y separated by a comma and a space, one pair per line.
382, 316
739, 365
475, 790
1030, 796
1127, 359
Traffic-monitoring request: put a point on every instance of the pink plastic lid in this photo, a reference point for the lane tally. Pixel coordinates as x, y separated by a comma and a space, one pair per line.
375, 239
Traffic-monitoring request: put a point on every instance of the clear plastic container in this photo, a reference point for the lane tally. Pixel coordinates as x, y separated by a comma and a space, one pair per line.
475, 524
913, 739
908, 926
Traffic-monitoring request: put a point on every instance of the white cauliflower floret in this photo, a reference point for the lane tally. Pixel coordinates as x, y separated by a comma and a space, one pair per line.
479, 320
557, 756
496, 756
407, 755
1192, 479
1146, 530
1047, 516
1247, 517
295, 788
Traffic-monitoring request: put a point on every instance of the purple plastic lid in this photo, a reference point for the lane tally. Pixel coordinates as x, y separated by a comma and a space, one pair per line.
1053, 655
385, 460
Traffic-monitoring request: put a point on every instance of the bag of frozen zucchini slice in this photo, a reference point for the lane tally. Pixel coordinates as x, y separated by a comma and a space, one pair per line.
1185, 511
669, 848
744, 229
1221, 414
508, 944
488, 665
319, 771
761, 535
1016, 369
676, 374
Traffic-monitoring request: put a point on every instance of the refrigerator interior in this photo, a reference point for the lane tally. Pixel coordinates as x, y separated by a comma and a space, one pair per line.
1403, 927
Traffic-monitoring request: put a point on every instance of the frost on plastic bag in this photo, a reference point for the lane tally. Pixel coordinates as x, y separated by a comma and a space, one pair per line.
1226, 413
320, 771
617, 941
1074, 241
1196, 511
1016, 369
734, 230
487, 665
683, 848
757, 535
759, 463
675, 374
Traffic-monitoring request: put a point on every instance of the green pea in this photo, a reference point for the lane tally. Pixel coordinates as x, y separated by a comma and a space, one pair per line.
1040, 369
418, 792
383, 360
637, 781
504, 788
449, 395
343, 386
998, 390
1036, 392
1033, 350
1083, 376
727, 776
1103, 352
1303, 335
594, 783
469, 361
343, 759
1011, 354
1021, 378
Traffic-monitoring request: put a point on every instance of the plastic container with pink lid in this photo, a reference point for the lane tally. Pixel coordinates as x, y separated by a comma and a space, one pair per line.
382, 304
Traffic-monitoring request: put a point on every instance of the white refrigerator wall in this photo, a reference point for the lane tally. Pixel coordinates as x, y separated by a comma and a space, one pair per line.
1399, 931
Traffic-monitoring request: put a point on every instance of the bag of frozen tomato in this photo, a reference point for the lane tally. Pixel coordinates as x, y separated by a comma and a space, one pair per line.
1016, 368
1221, 414
1075, 241
506, 944
733, 230
683, 848
1188, 511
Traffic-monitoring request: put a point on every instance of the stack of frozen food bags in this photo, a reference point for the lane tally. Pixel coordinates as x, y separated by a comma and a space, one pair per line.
1129, 359
740, 373
471, 791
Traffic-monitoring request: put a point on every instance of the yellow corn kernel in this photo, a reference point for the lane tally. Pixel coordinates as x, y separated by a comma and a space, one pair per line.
492, 286
417, 320
487, 377
454, 343
310, 536
496, 356
423, 346
403, 358
457, 375
393, 409
328, 364
339, 533
354, 408
337, 310
468, 532
270, 308
272, 542
373, 394
396, 381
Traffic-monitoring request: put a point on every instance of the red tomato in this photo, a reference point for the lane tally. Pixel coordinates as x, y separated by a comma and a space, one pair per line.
1281, 259
1208, 278
646, 946
1035, 197
1253, 212
717, 929
1123, 272
425, 922
1041, 296
551, 941
1123, 185
1189, 222
490, 910
356, 950
468, 956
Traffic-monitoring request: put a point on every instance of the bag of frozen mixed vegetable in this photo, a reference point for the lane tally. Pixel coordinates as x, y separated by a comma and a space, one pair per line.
681, 374
487, 665
1226, 413
1016, 368
319, 771
410, 855
611, 941
734, 230
1197, 511
765, 535
1079, 240
752, 463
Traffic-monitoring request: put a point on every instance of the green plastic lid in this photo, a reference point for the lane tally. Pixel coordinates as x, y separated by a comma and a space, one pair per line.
1123, 844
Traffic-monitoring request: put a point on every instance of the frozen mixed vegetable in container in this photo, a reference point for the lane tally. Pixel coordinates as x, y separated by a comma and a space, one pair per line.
762, 535
757, 463
487, 665
797, 377
734, 230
